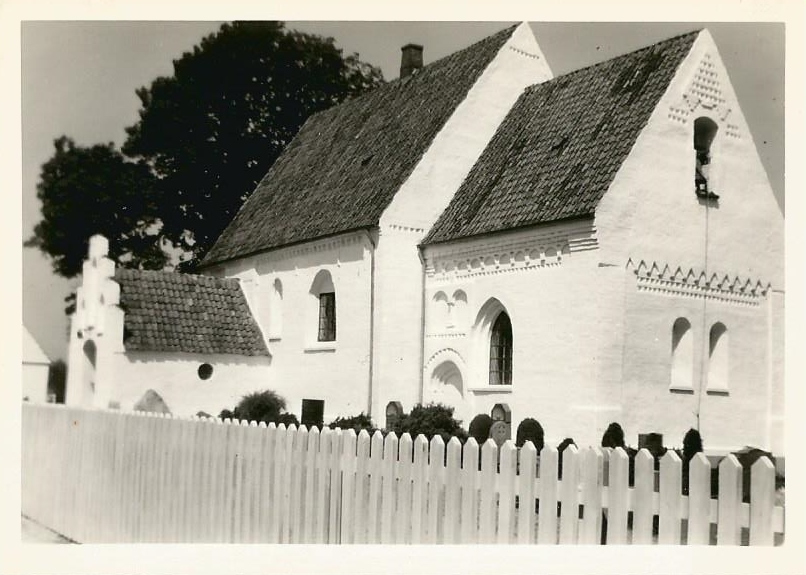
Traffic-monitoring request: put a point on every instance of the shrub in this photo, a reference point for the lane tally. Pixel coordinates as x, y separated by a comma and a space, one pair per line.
287, 419
430, 420
480, 427
226, 414
260, 406
530, 430
692, 444
613, 436
354, 422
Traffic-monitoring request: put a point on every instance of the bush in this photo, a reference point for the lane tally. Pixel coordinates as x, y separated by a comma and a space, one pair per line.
530, 430
287, 419
430, 420
613, 436
692, 444
480, 427
565, 443
354, 422
226, 414
260, 406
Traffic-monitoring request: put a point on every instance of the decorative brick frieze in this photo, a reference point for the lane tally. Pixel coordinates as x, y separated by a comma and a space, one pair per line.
661, 279
520, 251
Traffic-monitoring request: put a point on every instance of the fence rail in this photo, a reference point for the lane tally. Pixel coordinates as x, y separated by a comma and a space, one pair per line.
106, 476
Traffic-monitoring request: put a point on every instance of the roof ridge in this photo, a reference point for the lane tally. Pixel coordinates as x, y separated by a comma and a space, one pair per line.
175, 273
427, 67
555, 79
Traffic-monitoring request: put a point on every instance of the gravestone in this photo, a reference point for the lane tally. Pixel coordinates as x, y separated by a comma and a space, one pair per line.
394, 411
499, 432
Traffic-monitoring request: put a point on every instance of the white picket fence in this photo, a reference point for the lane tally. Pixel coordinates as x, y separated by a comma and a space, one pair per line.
106, 476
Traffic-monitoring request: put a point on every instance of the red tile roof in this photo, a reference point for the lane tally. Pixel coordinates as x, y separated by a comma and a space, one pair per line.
173, 312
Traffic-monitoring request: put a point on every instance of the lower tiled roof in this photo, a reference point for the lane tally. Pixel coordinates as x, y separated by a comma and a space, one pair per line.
173, 312
557, 151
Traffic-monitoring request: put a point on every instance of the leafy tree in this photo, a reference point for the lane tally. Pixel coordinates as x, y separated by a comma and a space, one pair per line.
205, 137
85, 191
212, 130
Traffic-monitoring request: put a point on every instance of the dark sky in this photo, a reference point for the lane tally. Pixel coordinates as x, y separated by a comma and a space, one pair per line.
79, 79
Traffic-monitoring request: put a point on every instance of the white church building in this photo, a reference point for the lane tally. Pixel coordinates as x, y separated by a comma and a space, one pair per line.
593, 247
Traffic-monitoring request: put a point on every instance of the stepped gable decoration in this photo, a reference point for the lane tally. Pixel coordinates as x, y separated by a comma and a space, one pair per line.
169, 311
559, 148
346, 163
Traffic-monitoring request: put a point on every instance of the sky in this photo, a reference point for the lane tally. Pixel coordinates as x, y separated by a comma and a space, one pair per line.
79, 79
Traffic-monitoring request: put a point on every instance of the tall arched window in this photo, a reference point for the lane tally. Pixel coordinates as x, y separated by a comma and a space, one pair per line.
718, 359
704, 133
325, 295
501, 351
682, 355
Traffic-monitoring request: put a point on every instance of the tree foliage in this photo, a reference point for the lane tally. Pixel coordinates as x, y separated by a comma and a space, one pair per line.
212, 130
91, 190
258, 406
205, 137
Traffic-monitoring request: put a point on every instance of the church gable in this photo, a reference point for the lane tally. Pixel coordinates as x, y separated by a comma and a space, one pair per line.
559, 148
346, 164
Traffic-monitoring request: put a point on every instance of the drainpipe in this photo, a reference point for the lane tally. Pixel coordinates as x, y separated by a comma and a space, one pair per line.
371, 320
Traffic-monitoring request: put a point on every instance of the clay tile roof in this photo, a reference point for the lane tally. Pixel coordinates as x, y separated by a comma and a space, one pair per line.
168, 311
557, 151
346, 163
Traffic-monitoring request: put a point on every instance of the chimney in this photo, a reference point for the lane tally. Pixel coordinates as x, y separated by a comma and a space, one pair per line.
411, 59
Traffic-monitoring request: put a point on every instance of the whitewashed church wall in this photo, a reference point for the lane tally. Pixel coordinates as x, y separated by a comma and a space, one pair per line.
651, 216
175, 377
302, 367
728, 418
397, 334
561, 327
651, 212
451, 155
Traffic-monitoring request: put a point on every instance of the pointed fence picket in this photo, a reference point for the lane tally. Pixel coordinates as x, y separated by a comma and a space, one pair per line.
130, 477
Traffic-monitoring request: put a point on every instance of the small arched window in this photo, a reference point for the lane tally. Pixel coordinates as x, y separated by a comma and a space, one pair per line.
325, 294
705, 130
501, 351
682, 355
718, 359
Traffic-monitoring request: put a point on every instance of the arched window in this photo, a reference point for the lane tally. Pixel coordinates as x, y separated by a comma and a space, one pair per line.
682, 355
718, 359
325, 295
501, 351
704, 133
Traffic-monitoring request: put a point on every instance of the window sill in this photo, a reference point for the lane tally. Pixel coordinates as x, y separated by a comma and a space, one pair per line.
682, 390
317, 346
491, 389
717, 392
273, 338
